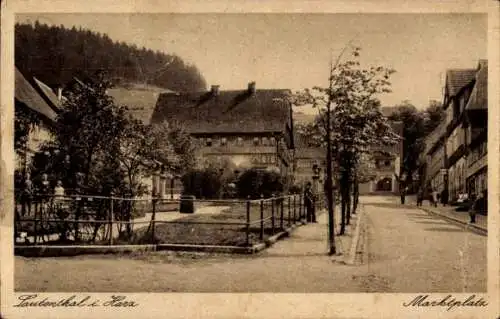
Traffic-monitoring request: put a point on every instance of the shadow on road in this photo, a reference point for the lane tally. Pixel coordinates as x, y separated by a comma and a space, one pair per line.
430, 222
445, 229
391, 206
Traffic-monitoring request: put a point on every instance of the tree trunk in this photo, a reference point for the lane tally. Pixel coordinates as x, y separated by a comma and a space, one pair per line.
330, 195
355, 195
348, 207
343, 213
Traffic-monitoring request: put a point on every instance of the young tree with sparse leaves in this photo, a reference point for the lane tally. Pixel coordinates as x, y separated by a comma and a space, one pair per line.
350, 122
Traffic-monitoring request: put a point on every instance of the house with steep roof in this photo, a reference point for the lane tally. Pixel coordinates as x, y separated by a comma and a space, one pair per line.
449, 167
459, 85
476, 171
32, 99
251, 128
140, 99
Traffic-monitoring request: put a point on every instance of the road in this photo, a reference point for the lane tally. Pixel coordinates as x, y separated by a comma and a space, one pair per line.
407, 250
403, 250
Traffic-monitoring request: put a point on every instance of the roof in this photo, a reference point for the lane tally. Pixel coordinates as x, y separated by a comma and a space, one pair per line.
27, 95
141, 103
227, 112
456, 79
479, 97
49, 94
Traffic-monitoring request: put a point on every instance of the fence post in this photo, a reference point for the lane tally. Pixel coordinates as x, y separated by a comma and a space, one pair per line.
153, 224
261, 237
272, 214
35, 227
248, 223
111, 218
281, 212
294, 209
289, 213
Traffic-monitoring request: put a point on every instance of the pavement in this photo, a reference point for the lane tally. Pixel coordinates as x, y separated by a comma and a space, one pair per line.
312, 240
449, 212
401, 249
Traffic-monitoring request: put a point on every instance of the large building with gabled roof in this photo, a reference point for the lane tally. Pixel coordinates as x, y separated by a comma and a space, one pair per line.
251, 128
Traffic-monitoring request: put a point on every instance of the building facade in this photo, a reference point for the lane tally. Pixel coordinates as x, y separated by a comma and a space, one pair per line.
454, 160
383, 164
249, 128
477, 133
310, 163
30, 97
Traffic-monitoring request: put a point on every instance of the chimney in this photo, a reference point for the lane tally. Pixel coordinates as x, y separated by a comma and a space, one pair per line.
59, 93
215, 90
251, 87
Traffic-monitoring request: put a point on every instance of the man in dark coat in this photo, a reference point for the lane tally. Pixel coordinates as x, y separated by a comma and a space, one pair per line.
309, 203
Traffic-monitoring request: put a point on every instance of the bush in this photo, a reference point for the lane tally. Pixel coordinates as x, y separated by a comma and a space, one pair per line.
254, 182
203, 183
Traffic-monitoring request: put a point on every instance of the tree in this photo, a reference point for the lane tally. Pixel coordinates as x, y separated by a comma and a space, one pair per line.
350, 122
55, 54
90, 128
416, 126
182, 143
413, 130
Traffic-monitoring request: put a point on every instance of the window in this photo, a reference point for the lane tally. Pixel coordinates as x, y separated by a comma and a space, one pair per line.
209, 142
223, 141
256, 141
273, 140
265, 141
387, 163
239, 141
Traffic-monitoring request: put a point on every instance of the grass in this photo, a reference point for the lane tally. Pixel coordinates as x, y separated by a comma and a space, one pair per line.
191, 232
227, 228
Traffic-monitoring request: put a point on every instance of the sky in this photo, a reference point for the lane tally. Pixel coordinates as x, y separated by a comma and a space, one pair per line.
293, 51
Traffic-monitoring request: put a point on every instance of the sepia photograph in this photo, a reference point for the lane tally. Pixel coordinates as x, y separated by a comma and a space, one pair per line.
252, 161
251, 153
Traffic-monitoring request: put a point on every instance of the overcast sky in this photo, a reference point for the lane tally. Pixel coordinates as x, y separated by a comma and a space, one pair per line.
293, 50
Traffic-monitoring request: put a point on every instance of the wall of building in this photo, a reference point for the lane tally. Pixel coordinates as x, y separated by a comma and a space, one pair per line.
457, 178
244, 151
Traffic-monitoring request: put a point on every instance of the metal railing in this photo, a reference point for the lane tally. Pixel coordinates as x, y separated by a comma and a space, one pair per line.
101, 220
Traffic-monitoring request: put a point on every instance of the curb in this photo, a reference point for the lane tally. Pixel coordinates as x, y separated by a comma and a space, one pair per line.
350, 259
67, 251
467, 226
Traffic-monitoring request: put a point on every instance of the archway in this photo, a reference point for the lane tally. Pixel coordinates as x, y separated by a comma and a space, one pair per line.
384, 185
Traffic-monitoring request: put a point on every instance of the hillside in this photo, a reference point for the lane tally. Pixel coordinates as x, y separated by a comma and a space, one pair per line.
55, 54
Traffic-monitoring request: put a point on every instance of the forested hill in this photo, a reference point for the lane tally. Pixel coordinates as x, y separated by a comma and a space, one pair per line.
55, 54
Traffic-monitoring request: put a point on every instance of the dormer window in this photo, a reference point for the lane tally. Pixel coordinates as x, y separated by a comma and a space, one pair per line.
209, 142
223, 141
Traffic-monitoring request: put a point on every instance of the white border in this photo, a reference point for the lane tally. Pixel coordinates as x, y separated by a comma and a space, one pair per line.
260, 305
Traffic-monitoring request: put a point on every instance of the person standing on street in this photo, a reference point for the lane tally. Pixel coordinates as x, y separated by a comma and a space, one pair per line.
444, 197
420, 197
474, 205
309, 203
403, 194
